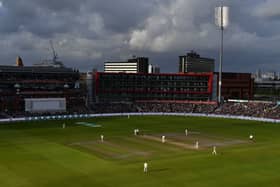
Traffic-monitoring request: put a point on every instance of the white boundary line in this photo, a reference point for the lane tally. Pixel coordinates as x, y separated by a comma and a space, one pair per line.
77, 116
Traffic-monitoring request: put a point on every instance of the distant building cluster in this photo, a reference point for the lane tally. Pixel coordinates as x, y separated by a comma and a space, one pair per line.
19, 84
267, 85
266, 76
137, 80
26, 88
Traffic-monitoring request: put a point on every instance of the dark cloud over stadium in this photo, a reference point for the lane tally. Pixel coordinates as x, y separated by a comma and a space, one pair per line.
88, 32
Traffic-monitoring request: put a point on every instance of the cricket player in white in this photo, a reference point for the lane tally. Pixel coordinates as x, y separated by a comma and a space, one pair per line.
102, 138
163, 139
196, 144
145, 167
63, 125
251, 137
214, 152
186, 132
136, 132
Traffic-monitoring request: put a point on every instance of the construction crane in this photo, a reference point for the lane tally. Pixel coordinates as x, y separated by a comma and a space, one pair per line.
55, 55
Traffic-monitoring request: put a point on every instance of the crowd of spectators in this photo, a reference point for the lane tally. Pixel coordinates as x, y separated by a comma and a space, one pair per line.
114, 108
177, 107
19, 114
246, 109
252, 109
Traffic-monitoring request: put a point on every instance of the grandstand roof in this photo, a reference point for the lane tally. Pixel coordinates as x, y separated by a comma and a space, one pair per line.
33, 69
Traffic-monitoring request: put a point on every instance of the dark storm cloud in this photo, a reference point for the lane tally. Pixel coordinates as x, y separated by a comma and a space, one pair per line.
88, 32
59, 5
29, 16
46, 17
122, 15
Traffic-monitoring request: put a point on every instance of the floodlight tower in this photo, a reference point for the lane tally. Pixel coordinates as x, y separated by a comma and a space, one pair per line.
222, 21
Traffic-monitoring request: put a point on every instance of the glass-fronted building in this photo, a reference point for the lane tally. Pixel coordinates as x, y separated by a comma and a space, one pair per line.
110, 87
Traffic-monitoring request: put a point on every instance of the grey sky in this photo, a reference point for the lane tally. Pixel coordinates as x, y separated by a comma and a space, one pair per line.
88, 32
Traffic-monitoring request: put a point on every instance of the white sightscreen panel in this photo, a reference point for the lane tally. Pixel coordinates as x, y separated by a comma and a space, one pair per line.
218, 16
46, 105
39, 105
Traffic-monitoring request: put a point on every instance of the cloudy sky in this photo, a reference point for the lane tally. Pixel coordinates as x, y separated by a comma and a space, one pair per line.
86, 33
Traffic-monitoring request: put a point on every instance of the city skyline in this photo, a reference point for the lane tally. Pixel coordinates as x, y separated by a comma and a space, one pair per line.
87, 33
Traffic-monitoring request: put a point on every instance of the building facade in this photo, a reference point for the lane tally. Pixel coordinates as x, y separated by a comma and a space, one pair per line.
135, 65
237, 85
192, 62
267, 90
154, 68
119, 87
18, 83
267, 86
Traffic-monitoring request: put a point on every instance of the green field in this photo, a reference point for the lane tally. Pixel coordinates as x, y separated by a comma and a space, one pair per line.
36, 154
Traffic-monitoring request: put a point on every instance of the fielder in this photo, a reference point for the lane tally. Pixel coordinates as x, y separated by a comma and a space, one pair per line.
163, 139
214, 152
145, 167
136, 132
186, 132
63, 125
196, 144
102, 138
251, 137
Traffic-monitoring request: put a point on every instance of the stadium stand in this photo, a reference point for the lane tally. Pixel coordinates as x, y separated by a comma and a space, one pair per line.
250, 109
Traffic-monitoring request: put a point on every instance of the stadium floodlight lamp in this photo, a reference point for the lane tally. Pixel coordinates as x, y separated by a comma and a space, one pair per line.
222, 21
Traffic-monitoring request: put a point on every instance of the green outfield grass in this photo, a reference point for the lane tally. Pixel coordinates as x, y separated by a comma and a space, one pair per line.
37, 154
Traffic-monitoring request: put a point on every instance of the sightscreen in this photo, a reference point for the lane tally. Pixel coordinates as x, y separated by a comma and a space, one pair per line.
45, 105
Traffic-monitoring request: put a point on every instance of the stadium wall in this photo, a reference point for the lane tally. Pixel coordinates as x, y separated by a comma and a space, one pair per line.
77, 116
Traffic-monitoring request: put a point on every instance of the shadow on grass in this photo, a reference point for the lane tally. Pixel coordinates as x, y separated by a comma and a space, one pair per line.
159, 170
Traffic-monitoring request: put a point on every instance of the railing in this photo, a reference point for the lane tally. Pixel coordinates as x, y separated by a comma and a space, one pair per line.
77, 116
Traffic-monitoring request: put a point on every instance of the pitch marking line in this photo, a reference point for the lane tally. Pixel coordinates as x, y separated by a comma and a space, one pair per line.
88, 124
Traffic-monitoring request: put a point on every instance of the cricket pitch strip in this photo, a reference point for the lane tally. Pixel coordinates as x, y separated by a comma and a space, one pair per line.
189, 141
